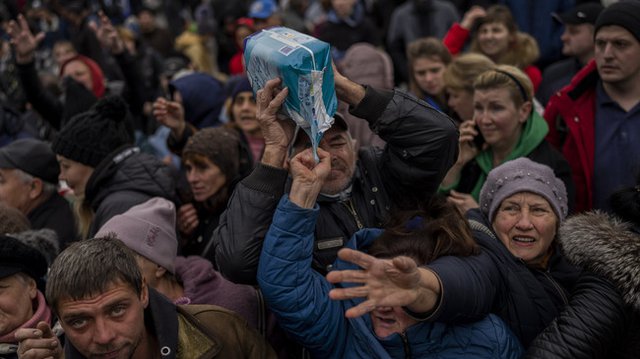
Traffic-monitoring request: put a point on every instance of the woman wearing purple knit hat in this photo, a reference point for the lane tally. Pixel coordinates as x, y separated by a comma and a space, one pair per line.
521, 274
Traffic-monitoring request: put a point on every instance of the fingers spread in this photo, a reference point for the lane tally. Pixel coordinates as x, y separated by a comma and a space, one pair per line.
361, 309
361, 259
348, 293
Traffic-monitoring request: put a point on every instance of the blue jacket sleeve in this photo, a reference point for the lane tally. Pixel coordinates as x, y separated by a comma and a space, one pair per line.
297, 294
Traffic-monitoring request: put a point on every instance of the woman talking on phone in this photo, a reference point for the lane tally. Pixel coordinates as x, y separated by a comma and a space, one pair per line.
505, 126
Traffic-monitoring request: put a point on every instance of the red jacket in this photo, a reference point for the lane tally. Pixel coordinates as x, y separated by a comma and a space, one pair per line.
457, 37
570, 114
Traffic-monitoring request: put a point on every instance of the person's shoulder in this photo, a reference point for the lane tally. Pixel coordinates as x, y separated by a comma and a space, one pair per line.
199, 310
560, 68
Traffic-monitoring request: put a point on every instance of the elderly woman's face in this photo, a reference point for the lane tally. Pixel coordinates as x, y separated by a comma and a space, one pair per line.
498, 118
17, 293
526, 224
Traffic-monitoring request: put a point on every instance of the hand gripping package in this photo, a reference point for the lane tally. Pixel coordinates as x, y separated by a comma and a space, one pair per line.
304, 65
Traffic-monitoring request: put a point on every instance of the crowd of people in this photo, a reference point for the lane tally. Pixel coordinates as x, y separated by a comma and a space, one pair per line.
477, 194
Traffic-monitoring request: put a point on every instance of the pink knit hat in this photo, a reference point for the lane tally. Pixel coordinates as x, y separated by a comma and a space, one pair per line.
149, 229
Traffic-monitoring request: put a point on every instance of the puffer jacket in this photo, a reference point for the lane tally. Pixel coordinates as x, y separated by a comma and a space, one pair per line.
299, 296
123, 180
608, 247
197, 332
495, 281
421, 146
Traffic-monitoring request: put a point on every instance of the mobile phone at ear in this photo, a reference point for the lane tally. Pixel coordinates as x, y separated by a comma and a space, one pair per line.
478, 140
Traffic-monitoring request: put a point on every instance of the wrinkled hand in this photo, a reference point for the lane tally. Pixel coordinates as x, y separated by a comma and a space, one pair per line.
269, 99
108, 35
38, 343
385, 282
463, 201
308, 177
468, 149
470, 17
187, 219
23, 41
347, 90
170, 114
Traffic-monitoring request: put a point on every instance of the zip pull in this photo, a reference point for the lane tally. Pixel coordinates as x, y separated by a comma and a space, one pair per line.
351, 208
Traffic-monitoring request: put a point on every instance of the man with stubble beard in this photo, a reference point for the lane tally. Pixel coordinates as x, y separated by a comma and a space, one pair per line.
364, 187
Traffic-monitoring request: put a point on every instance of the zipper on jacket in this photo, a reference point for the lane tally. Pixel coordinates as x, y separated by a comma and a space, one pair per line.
405, 345
557, 286
351, 208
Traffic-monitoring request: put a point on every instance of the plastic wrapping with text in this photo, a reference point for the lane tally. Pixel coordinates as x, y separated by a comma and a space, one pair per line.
304, 65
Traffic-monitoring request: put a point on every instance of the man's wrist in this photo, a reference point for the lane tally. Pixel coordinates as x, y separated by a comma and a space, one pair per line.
350, 92
274, 156
302, 195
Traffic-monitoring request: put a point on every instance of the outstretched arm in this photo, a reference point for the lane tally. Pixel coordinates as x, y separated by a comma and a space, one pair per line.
393, 283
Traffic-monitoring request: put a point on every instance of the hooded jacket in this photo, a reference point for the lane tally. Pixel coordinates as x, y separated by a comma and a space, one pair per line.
608, 247
299, 296
123, 180
202, 98
421, 146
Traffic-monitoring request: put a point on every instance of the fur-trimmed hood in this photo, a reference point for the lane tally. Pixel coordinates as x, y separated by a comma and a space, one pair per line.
605, 245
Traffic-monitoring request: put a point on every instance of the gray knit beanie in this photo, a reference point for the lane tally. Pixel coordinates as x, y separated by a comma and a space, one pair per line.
522, 175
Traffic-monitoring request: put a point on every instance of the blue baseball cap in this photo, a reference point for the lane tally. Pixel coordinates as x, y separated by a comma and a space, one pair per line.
262, 9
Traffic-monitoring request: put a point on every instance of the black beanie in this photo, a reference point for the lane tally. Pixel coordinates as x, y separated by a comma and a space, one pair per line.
625, 14
91, 136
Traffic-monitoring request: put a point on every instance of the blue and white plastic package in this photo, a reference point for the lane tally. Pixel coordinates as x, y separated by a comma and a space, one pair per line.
304, 65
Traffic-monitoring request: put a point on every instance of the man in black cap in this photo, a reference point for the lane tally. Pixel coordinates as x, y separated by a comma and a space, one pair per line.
577, 45
595, 121
365, 185
28, 182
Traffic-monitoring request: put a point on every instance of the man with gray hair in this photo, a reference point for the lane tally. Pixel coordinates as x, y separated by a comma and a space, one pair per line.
106, 309
29, 182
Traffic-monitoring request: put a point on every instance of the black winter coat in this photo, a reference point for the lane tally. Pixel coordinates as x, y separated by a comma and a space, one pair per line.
421, 146
123, 180
595, 324
527, 299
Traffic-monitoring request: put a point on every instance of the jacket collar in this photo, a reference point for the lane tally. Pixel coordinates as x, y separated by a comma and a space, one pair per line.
161, 315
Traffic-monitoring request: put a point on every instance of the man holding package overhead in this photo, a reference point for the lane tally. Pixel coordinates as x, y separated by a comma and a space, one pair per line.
364, 186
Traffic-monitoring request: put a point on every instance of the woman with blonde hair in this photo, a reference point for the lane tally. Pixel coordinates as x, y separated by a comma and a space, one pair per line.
510, 128
458, 81
495, 34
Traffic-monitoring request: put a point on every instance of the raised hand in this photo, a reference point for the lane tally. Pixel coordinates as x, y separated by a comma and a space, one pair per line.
108, 35
269, 100
385, 282
468, 149
170, 114
23, 41
187, 219
308, 177
469, 18
463, 201
38, 343
347, 90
